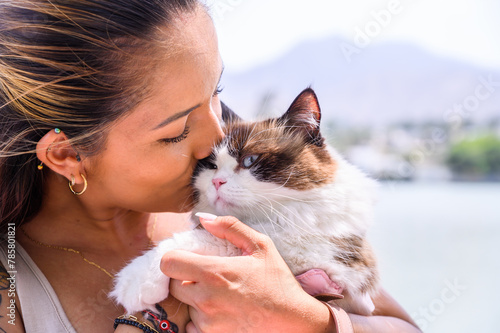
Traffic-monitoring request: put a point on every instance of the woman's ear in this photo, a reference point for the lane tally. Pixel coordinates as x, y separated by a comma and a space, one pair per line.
57, 154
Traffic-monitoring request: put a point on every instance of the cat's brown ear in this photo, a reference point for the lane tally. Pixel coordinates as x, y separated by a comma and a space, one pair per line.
228, 115
304, 115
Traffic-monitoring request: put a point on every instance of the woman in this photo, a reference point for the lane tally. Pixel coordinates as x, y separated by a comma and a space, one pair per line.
106, 108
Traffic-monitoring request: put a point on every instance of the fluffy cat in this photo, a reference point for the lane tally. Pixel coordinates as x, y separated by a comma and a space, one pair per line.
281, 178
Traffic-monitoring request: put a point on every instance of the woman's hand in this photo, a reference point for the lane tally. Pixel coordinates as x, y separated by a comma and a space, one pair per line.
248, 293
257, 291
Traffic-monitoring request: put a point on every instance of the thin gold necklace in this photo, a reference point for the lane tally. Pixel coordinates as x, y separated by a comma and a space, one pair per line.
150, 244
67, 249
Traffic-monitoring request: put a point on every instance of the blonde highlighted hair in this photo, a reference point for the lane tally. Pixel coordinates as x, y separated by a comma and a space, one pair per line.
70, 64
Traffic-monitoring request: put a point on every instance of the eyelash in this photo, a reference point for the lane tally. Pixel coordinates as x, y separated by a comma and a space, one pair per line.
179, 138
186, 131
218, 91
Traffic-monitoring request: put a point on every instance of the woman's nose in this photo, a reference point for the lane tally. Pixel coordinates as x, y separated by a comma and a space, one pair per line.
210, 134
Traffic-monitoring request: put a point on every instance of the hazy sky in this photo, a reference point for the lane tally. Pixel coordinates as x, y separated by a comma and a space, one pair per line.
255, 31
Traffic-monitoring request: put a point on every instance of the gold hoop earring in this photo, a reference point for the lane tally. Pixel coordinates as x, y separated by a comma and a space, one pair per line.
72, 183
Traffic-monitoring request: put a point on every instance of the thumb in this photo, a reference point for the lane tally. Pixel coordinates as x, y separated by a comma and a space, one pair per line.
190, 328
236, 232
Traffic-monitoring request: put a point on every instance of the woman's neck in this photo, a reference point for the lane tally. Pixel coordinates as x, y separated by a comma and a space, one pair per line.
63, 220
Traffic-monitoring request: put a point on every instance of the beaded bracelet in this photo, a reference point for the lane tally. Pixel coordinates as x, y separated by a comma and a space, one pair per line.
164, 325
132, 321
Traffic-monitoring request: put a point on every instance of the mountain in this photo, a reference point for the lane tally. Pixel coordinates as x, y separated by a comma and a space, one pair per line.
382, 84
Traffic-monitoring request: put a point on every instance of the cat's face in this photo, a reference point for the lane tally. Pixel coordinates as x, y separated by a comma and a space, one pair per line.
263, 164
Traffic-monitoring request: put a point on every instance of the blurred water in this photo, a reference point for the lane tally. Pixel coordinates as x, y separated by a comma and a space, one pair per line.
438, 247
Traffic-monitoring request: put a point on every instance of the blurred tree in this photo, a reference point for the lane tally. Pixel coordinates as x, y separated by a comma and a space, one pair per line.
476, 158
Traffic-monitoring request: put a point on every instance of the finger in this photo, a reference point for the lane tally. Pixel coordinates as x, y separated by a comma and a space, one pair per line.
191, 328
185, 291
236, 232
183, 265
189, 266
197, 320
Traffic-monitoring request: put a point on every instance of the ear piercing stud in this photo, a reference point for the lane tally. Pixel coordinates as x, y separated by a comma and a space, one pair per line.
58, 131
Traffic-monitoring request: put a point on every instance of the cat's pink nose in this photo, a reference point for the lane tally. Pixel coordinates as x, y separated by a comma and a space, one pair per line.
218, 182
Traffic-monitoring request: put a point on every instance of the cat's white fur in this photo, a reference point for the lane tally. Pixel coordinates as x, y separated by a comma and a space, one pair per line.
301, 224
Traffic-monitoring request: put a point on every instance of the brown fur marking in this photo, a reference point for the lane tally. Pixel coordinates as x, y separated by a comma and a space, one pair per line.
358, 254
285, 158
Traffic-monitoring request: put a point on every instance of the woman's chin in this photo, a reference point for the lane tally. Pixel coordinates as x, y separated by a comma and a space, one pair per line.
183, 203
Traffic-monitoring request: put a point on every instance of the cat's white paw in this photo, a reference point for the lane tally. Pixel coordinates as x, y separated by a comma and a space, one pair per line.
141, 284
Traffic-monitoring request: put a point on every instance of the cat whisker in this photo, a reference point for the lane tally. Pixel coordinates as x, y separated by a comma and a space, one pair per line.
268, 216
309, 230
285, 182
254, 134
285, 196
270, 221
188, 200
286, 219
290, 197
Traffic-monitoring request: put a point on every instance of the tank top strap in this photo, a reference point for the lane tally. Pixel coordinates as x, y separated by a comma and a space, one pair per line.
41, 310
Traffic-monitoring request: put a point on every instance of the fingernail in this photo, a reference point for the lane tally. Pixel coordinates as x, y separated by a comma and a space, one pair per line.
206, 216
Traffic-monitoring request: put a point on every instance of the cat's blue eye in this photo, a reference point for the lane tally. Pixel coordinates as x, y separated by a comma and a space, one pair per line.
248, 161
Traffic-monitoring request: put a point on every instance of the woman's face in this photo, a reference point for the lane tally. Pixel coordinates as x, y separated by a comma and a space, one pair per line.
149, 156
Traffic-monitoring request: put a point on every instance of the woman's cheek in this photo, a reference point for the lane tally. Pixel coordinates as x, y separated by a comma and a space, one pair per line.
177, 164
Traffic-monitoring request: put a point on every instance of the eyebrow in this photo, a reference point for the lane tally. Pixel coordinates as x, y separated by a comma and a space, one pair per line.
175, 117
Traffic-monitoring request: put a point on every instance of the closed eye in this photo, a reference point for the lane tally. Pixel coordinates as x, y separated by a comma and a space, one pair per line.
218, 91
178, 138
219, 88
